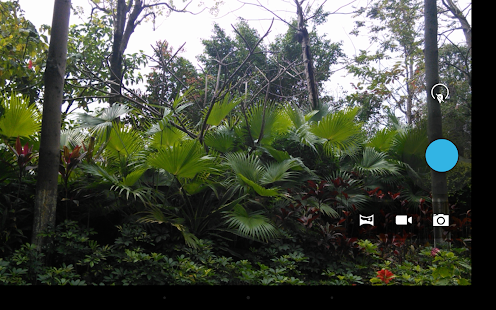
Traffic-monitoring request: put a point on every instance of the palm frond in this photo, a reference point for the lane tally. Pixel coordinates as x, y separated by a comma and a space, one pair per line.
248, 165
409, 147
131, 178
101, 123
413, 197
167, 137
304, 136
221, 109
278, 155
277, 172
375, 163
183, 159
254, 224
124, 141
71, 137
275, 122
221, 139
19, 118
339, 129
382, 140
262, 191
295, 115
100, 172
158, 214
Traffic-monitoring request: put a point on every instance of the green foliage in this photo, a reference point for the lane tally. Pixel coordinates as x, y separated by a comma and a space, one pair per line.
249, 172
135, 259
18, 118
253, 225
89, 45
22, 52
375, 163
270, 118
221, 109
222, 139
248, 187
339, 129
445, 268
183, 159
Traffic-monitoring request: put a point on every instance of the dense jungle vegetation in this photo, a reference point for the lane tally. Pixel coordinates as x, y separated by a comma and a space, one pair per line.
238, 172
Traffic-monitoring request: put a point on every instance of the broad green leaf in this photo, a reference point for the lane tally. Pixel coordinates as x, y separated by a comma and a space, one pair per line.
221, 139
133, 177
253, 225
262, 191
18, 118
221, 109
339, 129
183, 159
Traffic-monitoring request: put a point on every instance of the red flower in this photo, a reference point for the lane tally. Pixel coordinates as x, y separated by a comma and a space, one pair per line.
434, 252
385, 275
30, 64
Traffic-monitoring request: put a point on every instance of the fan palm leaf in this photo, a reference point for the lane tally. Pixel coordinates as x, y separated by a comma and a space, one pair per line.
183, 159
247, 165
221, 139
167, 137
221, 109
262, 191
339, 129
274, 122
382, 140
71, 137
409, 146
375, 163
304, 136
101, 123
250, 224
121, 185
124, 141
19, 118
279, 172
295, 115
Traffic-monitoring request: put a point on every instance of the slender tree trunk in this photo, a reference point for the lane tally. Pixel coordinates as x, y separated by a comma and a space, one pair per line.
124, 26
47, 181
116, 57
304, 40
434, 118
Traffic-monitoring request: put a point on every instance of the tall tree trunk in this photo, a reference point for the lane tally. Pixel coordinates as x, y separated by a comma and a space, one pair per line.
47, 181
409, 90
434, 118
116, 57
124, 26
304, 40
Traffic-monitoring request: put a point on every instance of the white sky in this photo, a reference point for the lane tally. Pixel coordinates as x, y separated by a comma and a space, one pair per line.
184, 27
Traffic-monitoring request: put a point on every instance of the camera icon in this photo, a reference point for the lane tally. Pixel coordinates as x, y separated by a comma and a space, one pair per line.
440, 220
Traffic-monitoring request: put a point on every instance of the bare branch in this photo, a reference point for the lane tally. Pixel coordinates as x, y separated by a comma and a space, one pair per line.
183, 10
229, 79
272, 12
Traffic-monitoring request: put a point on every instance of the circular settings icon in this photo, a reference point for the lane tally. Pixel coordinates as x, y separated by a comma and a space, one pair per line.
440, 97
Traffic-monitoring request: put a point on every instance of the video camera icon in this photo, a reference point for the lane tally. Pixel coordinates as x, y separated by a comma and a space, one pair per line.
403, 219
